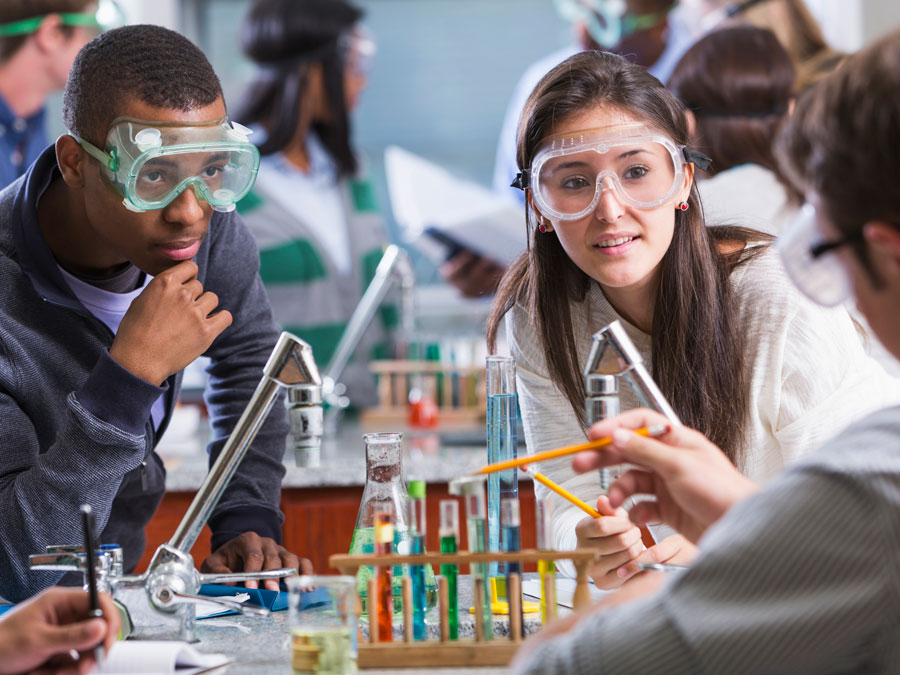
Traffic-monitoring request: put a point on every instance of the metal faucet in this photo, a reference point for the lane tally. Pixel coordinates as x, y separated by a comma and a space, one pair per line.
166, 593
394, 264
613, 355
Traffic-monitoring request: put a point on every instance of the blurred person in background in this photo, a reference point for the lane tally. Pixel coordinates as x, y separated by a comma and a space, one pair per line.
312, 210
790, 21
38, 43
738, 84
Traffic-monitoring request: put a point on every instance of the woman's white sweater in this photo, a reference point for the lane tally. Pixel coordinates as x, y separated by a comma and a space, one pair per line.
810, 376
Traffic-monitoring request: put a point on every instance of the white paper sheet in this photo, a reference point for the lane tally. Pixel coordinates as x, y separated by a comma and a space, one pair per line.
141, 657
425, 195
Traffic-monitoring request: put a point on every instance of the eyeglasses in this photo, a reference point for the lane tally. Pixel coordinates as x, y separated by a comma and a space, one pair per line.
804, 253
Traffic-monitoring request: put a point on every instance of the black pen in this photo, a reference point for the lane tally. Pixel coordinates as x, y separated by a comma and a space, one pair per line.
87, 520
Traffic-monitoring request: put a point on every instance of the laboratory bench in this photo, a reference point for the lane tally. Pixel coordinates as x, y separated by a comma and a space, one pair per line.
320, 503
261, 645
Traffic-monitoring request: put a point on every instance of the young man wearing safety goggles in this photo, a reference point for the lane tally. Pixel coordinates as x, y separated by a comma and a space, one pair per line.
121, 261
800, 577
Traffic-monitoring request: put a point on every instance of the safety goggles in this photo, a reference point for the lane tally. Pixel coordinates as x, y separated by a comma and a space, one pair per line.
108, 15
151, 163
570, 172
808, 260
607, 21
359, 50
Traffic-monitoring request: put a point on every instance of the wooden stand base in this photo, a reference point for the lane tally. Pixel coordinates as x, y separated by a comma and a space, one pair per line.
462, 653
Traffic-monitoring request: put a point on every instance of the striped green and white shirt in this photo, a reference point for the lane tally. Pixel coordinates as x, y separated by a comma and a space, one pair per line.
803, 577
292, 216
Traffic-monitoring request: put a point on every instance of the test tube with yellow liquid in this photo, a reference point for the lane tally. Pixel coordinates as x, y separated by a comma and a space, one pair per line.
546, 568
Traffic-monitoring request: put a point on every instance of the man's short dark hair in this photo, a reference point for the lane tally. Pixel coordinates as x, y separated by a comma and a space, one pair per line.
152, 64
16, 10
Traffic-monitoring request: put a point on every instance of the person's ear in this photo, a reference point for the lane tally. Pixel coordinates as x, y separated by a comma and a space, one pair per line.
543, 223
685, 191
884, 247
49, 36
73, 161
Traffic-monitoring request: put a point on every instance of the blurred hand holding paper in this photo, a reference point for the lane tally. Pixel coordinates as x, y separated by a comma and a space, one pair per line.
424, 196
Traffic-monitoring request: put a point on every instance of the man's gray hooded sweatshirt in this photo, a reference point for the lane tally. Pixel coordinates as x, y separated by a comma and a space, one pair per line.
75, 427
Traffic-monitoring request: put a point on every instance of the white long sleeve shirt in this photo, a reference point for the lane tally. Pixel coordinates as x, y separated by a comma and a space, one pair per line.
809, 377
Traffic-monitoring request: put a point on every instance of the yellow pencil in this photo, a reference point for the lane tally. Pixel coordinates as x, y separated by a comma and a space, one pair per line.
655, 430
562, 492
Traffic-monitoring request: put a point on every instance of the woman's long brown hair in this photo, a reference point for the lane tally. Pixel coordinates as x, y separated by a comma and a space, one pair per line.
696, 340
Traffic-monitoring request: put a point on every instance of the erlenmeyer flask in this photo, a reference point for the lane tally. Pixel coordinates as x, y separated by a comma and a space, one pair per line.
384, 485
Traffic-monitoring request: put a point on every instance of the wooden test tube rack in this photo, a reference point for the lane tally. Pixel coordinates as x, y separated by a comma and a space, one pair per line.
464, 652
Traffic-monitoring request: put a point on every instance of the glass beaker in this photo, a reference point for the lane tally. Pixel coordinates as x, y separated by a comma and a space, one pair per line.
384, 485
323, 624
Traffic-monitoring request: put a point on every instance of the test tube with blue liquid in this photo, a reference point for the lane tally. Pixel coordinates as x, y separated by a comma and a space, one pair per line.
416, 490
510, 524
502, 407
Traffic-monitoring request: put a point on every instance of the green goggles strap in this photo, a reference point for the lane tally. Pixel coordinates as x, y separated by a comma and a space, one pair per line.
108, 159
635, 22
30, 25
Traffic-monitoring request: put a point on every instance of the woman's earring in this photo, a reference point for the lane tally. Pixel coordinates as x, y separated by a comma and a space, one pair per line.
684, 206
542, 227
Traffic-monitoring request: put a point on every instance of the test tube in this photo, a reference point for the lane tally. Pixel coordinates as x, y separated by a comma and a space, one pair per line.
546, 568
510, 524
417, 546
502, 408
384, 592
449, 533
471, 488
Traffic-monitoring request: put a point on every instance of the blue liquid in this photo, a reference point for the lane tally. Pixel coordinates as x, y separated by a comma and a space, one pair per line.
502, 445
420, 599
511, 543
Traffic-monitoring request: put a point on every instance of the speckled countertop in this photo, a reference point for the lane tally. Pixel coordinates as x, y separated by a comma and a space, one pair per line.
433, 458
261, 646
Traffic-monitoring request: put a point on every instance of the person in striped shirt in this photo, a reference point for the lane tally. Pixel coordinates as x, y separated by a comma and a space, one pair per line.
804, 575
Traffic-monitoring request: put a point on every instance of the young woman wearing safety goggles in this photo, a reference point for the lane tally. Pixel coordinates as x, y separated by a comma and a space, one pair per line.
617, 232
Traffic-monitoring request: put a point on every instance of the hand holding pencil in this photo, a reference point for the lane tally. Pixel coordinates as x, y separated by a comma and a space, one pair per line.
693, 481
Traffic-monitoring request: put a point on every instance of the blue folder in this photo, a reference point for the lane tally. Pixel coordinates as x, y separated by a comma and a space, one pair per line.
274, 601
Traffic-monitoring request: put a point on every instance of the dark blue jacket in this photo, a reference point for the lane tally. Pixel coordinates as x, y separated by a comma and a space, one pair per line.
75, 426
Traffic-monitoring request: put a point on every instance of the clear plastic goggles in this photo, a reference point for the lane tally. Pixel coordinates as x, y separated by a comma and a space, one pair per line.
809, 262
151, 163
570, 172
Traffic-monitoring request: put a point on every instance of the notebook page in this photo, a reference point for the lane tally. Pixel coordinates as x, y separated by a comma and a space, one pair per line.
141, 657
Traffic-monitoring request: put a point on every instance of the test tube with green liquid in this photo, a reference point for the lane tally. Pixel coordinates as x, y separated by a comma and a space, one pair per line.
546, 568
510, 526
416, 491
471, 488
449, 533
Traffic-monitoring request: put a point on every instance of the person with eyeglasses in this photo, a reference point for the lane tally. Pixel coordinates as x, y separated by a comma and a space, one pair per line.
313, 210
800, 576
38, 42
618, 233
